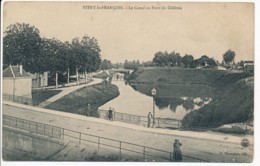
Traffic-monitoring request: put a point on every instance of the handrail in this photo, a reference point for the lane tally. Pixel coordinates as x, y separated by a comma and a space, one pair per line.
62, 134
127, 118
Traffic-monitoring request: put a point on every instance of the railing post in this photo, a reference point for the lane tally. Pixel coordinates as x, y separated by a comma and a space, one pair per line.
98, 142
144, 153
120, 148
36, 128
62, 133
79, 138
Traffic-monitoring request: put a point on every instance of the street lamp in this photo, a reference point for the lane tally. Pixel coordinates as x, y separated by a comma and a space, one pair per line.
153, 92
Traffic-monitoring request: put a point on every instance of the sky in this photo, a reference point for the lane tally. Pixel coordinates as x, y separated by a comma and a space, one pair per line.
198, 28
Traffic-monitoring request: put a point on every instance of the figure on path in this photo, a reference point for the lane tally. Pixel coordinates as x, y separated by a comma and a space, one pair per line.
150, 117
110, 114
177, 155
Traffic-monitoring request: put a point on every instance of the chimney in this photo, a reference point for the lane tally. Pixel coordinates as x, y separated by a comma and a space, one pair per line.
21, 69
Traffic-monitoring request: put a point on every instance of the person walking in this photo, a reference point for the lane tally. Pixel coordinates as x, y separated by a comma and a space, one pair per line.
110, 114
150, 117
89, 110
177, 155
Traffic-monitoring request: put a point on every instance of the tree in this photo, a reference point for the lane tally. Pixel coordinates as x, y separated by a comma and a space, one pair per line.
105, 64
86, 55
21, 45
203, 60
212, 62
53, 52
229, 56
158, 58
187, 60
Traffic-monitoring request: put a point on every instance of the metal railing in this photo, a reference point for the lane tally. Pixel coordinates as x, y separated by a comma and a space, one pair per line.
141, 120
33, 127
122, 148
122, 117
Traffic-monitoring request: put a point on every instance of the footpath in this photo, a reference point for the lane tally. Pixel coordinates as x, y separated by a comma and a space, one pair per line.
67, 90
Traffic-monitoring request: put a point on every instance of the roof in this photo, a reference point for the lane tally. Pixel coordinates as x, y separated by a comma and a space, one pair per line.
248, 61
14, 71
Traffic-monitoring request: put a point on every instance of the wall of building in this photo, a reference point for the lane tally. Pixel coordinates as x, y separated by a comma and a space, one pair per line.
18, 86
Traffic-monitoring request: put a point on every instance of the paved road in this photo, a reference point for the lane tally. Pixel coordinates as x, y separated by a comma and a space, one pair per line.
221, 149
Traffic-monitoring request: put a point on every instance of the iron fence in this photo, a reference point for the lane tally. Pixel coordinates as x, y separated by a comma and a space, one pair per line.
122, 117
33, 127
122, 147
140, 120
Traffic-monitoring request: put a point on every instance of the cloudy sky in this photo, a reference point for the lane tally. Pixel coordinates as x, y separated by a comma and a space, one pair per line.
196, 29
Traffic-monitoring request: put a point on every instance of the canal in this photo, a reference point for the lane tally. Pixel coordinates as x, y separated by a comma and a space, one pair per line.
171, 101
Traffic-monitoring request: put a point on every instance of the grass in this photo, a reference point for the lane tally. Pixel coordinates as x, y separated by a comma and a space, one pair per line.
233, 97
39, 96
77, 101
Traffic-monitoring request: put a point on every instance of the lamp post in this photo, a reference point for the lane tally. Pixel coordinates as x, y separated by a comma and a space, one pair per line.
153, 92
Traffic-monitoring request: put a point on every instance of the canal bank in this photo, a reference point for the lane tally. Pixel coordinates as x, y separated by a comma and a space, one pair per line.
231, 94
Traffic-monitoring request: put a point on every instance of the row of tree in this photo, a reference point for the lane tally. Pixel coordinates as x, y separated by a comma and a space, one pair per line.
23, 45
188, 61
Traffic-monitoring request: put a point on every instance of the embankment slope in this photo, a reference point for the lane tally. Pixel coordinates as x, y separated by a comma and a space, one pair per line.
233, 93
77, 101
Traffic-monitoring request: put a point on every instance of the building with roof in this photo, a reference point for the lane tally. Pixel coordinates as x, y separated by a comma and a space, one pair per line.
17, 82
248, 67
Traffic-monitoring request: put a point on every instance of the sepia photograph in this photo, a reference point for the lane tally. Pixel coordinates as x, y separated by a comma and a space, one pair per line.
128, 81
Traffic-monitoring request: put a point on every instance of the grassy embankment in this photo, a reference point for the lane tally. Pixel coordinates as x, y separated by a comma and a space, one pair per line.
40, 96
232, 102
77, 101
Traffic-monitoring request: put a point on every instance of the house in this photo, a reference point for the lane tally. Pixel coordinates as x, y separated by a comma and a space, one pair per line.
17, 82
248, 67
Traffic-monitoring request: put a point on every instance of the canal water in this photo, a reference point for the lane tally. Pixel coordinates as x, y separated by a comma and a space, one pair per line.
171, 101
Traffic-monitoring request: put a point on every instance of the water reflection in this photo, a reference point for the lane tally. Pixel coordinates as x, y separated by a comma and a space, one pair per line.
188, 103
173, 96
172, 101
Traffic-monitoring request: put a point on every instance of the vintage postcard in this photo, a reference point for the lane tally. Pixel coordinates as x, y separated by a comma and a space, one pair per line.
128, 81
